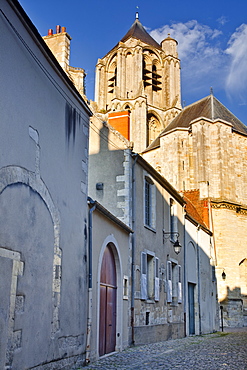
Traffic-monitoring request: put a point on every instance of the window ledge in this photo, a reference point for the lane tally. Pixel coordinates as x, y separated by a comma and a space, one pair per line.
150, 228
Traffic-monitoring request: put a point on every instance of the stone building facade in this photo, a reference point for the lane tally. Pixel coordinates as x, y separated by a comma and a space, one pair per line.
201, 147
124, 183
205, 148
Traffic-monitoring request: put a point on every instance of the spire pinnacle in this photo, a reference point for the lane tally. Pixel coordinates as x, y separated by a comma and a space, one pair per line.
137, 13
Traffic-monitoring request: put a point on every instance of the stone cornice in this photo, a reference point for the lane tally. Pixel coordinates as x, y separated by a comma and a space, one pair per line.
223, 204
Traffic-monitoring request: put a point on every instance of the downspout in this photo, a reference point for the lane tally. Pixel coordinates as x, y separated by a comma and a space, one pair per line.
199, 280
135, 156
92, 206
185, 278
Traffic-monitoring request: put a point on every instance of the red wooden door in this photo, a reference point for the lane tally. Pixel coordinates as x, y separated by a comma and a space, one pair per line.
108, 291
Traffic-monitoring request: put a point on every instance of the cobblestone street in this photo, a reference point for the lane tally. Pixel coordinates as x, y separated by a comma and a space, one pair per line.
227, 350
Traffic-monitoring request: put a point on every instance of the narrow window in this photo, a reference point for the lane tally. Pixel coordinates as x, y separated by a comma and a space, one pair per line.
174, 282
157, 280
149, 202
179, 284
148, 205
169, 281
143, 275
147, 318
173, 219
151, 274
125, 287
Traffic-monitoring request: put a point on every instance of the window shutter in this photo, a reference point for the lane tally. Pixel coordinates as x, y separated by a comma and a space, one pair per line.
179, 284
157, 280
143, 275
169, 281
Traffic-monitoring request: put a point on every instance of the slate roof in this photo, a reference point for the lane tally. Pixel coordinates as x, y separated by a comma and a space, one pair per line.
209, 108
138, 31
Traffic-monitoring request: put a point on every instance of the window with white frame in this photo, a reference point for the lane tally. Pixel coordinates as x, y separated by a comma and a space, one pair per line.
174, 282
149, 202
149, 276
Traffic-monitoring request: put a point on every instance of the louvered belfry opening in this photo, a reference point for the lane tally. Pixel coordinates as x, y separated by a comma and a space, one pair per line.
156, 79
112, 82
151, 77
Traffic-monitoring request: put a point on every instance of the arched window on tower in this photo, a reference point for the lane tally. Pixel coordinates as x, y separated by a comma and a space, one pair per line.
153, 129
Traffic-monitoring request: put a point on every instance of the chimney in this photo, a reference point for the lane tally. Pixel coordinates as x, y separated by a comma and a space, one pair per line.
58, 29
59, 43
121, 122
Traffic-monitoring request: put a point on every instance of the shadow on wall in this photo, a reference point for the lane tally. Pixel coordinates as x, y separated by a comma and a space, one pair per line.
234, 308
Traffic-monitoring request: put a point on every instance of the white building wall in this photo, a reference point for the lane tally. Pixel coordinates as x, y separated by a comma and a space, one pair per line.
43, 192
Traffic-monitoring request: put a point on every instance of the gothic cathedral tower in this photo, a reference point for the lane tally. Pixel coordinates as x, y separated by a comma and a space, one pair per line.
138, 85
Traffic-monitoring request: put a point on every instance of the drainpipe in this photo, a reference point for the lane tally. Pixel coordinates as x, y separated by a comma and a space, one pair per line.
185, 283
135, 156
199, 281
92, 206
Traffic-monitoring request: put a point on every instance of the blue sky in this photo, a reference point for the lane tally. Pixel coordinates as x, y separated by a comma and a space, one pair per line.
212, 37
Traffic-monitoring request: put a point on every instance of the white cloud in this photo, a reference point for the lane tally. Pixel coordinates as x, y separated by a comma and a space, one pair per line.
222, 20
205, 62
192, 36
236, 82
199, 52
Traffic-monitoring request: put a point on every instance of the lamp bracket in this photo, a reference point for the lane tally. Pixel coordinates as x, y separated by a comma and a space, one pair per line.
170, 233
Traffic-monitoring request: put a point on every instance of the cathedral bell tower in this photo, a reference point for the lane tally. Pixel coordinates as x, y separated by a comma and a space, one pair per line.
141, 77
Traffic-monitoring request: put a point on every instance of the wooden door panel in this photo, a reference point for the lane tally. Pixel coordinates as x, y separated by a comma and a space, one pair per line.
108, 294
102, 325
191, 288
111, 320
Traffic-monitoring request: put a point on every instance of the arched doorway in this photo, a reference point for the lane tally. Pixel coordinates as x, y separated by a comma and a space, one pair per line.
108, 297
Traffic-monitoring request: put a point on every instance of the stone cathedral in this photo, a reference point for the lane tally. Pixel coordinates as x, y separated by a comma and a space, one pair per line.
142, 77
200, 149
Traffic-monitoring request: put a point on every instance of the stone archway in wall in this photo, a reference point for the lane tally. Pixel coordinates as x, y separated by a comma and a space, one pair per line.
110, 308
14, 179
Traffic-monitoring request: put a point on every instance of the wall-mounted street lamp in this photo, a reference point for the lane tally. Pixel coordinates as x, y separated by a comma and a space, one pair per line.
176, 245
223, 275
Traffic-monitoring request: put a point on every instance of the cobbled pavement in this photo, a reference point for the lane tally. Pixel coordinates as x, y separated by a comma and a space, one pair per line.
217, 351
